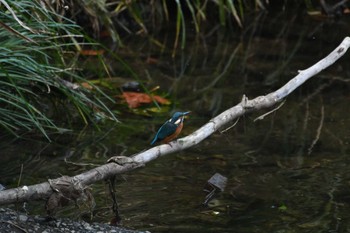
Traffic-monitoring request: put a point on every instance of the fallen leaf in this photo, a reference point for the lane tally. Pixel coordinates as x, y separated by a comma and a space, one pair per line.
86, 85
135, 99
161, 100
152, 61
88, 52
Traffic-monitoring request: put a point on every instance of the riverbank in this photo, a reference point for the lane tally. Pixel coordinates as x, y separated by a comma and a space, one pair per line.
12, 221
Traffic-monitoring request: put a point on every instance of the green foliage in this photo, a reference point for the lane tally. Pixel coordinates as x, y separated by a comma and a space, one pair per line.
35, 74
142, 17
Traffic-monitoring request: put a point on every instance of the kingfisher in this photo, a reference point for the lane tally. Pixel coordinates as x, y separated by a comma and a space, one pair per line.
171, 128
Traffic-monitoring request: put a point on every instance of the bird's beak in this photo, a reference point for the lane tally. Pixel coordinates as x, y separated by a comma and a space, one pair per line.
184, 115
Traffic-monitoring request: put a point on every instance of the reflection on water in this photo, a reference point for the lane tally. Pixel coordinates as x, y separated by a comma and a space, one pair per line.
286, 173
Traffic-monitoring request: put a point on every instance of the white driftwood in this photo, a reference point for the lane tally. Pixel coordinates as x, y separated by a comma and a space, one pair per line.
121, 164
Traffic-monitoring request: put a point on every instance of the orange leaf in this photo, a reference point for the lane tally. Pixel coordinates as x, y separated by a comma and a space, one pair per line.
161, 100
88, 52
152, 61
86, 85
135, 99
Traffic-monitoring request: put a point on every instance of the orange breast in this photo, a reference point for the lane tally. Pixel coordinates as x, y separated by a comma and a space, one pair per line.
174, 135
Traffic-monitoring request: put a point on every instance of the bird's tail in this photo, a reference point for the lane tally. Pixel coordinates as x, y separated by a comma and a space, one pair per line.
154, 141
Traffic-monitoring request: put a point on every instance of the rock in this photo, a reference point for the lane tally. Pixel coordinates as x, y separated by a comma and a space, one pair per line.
22, 218
12, 221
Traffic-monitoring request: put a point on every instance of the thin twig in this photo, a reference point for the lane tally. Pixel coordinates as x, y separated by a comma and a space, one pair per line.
80, 164
15, 225
223, 131
17, 33
319, 129
268, 113
20, 176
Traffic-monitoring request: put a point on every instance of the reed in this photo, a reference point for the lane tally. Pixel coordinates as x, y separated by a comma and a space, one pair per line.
38, 76
120, 17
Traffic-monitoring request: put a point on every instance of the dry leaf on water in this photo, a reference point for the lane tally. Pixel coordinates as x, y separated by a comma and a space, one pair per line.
135, 99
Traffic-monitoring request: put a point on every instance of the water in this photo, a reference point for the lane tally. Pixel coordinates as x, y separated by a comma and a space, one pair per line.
286, 173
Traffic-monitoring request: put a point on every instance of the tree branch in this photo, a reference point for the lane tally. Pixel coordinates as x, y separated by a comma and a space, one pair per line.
120, 164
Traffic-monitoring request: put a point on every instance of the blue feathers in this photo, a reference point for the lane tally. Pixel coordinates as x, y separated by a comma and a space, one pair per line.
164, 131
171, 128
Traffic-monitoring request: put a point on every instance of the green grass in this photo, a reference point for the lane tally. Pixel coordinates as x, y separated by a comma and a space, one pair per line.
37, 72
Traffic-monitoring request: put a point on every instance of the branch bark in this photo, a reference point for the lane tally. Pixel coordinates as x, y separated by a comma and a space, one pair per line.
119, 164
